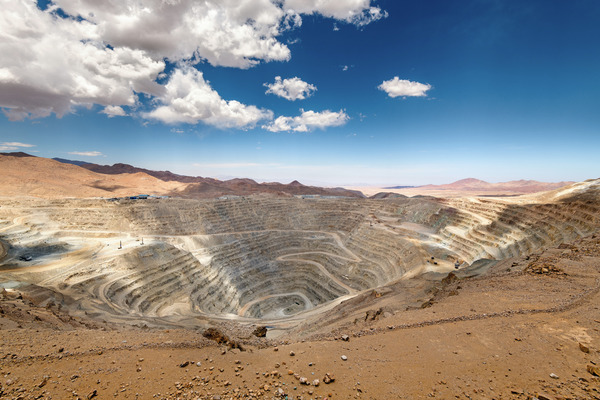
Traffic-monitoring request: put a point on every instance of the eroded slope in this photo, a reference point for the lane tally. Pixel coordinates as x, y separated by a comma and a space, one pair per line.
170, 261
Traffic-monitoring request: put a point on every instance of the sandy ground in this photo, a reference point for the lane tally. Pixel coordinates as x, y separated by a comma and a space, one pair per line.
527, 328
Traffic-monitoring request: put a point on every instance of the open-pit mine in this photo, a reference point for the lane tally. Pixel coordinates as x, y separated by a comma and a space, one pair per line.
238, 290
263, 260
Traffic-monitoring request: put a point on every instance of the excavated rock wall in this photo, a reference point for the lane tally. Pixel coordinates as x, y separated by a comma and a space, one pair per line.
264, 258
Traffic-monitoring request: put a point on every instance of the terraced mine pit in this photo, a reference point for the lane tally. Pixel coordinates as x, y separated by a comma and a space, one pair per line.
273, 260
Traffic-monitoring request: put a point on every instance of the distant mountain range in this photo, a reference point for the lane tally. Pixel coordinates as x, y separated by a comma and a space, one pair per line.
201, 186
478, 187
166, 176
73, 162
29, 175
521, 186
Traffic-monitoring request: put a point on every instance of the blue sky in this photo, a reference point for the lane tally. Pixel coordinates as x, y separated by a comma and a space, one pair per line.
497, 90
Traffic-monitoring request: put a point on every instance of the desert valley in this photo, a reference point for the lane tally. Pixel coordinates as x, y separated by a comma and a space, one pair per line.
245, 290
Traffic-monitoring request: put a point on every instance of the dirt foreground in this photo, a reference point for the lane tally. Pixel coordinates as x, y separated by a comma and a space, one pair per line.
528, 328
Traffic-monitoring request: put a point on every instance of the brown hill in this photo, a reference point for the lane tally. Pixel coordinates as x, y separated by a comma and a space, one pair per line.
387, 195
24, 175
43, 177
461, 184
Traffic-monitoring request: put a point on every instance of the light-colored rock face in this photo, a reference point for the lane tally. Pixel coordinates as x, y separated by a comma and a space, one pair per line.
181, 261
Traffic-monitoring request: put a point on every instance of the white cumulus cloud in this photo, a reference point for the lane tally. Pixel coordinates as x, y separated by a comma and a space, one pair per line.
358, 12
114, 111
290, 89
12, 146
188, 98
17, 144
77, 53
307, 121
233, 33
51, 64
404, 88
372, 14
86, 153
